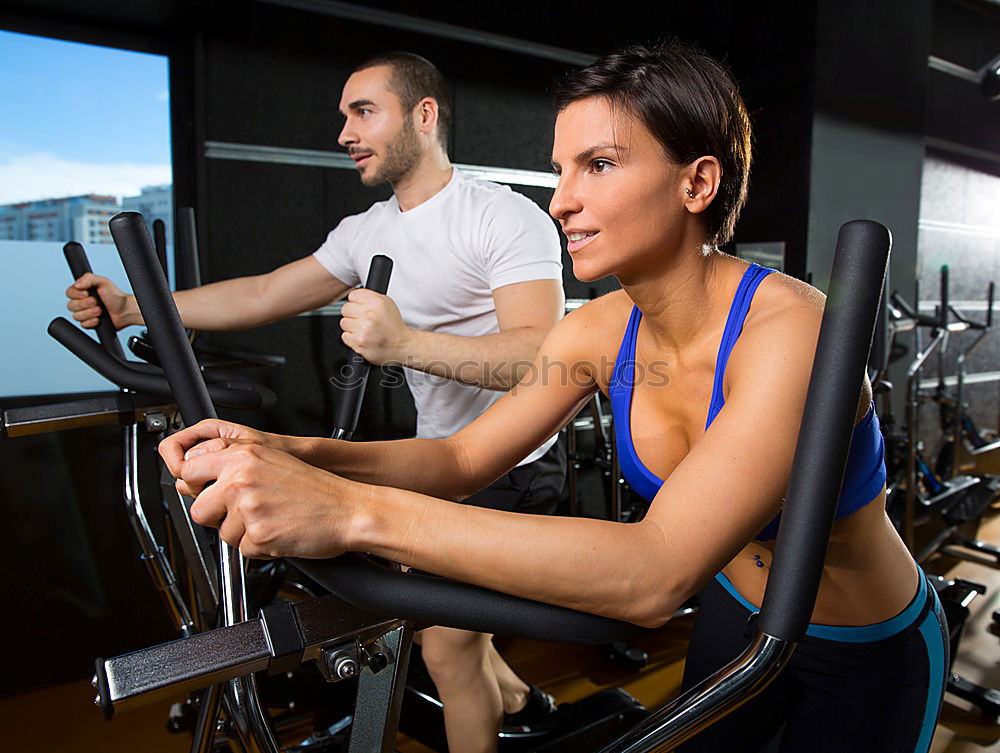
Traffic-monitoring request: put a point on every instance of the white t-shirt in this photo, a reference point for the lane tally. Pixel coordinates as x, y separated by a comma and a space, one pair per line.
449, 253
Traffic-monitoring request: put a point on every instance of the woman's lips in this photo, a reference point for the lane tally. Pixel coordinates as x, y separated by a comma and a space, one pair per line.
573, 246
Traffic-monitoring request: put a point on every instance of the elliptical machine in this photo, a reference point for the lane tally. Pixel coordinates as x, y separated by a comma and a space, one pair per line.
347, 640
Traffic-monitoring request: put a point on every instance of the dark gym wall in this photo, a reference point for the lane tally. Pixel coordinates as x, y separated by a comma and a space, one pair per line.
867, 135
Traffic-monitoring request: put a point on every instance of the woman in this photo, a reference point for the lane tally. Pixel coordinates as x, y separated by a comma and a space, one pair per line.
706, 360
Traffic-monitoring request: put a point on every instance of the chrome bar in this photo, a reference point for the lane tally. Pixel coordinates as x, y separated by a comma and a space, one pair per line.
152, 554
959, 396
196, 549
956, 148
912, 429
203, 736
250, 720
726, 690
240, 695
952, 69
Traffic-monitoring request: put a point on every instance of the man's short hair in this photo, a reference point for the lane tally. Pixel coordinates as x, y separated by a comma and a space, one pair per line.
413, 78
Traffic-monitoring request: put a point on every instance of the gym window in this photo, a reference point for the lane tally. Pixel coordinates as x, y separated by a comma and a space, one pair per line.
83, 128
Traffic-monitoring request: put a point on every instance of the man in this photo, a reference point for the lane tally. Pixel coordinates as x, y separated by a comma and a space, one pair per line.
476, 286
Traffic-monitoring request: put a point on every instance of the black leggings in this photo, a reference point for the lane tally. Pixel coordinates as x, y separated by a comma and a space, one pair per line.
870, 689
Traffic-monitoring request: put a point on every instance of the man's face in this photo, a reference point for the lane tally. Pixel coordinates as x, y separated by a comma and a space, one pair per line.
378, 135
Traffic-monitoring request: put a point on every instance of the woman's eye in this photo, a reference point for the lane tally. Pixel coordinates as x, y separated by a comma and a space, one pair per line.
600, 165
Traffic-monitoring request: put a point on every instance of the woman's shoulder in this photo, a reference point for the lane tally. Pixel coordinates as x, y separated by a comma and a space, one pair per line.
594, 329
780, 331
785, 303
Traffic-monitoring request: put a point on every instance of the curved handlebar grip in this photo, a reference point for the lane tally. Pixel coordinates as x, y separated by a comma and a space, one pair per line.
160, 244
187, 265
153, 296
943, 313
922, 319
79, 265
355, 375
899, 302
419, 597
148, 379
827, 426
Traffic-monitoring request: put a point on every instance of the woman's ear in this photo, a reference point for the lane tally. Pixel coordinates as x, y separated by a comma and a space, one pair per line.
701, 183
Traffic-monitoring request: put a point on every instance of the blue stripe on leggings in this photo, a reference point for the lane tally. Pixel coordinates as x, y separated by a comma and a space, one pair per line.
850, 633
933, 633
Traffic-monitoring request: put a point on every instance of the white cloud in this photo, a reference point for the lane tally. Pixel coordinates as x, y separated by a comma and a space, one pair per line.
27, 177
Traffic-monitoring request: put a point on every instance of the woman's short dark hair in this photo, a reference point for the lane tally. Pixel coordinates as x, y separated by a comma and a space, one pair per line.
690, 104
413, 78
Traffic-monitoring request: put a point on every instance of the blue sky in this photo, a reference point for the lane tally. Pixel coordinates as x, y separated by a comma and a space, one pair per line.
78, 118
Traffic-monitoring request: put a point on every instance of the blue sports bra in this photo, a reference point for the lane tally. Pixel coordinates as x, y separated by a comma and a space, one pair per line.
865, 473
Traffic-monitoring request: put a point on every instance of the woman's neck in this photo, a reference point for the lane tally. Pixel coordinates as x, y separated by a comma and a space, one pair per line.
681, 297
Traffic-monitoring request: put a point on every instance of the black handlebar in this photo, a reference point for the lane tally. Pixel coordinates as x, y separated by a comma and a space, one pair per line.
945, 310
167, 334
827, 425
160, 243
355, 374
433, 600
149, 379
79, 265
974, 324
187, 265
430, 600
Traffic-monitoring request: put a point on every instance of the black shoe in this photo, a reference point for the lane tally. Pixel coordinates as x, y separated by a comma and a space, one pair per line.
536, 712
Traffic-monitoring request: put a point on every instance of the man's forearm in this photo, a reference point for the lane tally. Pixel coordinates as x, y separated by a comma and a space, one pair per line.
496, 362
219, 306
228, 305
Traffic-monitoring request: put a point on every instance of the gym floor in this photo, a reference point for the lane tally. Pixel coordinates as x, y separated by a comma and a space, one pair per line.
61, 719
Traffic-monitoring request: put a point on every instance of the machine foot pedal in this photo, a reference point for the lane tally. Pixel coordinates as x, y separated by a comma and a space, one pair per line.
987, 700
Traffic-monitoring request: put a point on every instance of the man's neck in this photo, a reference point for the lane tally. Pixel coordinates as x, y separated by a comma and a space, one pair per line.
431, 174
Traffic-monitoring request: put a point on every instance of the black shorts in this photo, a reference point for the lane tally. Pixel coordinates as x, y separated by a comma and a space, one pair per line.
871, 689
534, 487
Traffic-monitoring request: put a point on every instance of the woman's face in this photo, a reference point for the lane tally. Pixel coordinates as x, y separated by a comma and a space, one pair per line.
619, 200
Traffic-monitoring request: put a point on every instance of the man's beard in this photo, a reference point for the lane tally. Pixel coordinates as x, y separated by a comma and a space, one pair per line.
401, 155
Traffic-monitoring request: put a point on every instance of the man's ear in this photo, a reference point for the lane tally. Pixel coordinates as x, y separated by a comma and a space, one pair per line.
426, 115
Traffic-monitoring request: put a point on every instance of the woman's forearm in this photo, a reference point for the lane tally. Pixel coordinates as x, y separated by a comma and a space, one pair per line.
613, 569
429, 466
